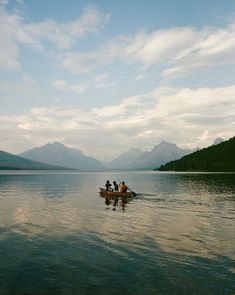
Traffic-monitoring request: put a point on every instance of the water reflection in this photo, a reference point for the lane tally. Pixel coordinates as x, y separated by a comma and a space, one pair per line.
176, 237
116, 203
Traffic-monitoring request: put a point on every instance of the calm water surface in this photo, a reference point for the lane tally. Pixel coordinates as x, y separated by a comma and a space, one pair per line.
176, 237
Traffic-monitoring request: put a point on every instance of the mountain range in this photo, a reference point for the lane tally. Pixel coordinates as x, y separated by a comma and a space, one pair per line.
56, 156
139, 160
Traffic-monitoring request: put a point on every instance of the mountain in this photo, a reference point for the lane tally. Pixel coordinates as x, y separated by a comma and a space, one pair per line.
218, 140
125, 160
216, 158
12, 162
58, 154
161, 154
136, 159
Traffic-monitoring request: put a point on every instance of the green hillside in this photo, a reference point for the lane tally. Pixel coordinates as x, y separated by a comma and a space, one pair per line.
217, 158
13, 162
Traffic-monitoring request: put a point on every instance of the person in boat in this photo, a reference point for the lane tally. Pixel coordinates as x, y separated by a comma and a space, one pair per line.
115, 185
108, 186
123, 187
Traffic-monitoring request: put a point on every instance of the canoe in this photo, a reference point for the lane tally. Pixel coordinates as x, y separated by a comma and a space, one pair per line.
109, 194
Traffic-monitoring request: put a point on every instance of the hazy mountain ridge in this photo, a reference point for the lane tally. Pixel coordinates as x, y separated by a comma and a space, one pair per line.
216, 158
125, 160
160, 154
58, 154
13, 162
137, 159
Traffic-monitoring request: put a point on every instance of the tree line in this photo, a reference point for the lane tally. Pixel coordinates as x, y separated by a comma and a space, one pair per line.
220, 157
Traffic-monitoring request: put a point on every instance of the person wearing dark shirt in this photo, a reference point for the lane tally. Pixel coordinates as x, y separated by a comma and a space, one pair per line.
115, 186
108, 185
116, 199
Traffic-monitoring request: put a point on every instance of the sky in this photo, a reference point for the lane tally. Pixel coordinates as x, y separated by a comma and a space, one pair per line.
106, 76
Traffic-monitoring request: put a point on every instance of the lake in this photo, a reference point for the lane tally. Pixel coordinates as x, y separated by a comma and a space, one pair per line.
176, 237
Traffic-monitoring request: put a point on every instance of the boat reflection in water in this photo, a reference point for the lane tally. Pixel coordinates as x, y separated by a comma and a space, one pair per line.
116, 199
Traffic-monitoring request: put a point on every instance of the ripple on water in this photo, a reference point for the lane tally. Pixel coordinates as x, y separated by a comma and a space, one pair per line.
177, 238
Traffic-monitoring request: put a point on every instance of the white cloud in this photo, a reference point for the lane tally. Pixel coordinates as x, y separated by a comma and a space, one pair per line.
63, 35
99, 81
216, 48
83, 62
102, 81
184, 49
188, 117
160, 46
142, 76
91, 21
62, 85
15, 31
178, 50
9, 51
23, 89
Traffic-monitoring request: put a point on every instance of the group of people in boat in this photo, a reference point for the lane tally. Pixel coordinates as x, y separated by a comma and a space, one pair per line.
121, 187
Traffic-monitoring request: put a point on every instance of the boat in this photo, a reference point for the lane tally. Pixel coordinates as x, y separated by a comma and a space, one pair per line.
111, 195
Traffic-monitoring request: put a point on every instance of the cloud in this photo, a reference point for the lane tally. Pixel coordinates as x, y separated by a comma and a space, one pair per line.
160, 46
15, 32
102, 81
9, 52
176, 51
99, 81
216, 48
63, 35
91, 21
188, 117
142, 76
182, 49
62, 85
83, 62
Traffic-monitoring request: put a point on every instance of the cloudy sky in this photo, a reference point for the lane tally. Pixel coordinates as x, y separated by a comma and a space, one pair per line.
106, 76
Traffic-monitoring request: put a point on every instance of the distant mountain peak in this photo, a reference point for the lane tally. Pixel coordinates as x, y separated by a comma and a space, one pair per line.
137, 159
126, 159
57, 153
218, 140
56, 144
164, 144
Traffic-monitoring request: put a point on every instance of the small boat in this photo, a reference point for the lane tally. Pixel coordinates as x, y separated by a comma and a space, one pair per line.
109, 194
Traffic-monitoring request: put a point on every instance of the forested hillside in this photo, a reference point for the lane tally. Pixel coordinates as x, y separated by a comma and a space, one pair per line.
220, 157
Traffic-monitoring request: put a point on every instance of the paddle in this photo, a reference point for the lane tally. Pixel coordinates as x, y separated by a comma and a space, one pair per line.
134, 194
